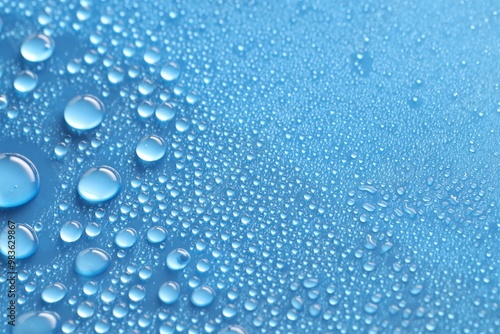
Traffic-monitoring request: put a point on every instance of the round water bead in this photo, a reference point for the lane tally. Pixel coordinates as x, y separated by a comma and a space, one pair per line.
84, 112
99, 184
25, 81
151, 148
26, 240
169, 292
37, 48
202, 296
71, 231
54, 293
19, 181
92, 262
126, 238
170, 72
37, 322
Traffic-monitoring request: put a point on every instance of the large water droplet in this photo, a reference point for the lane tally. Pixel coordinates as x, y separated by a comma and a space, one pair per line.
84, 112
53, 293
25, 81
37, 47
202, 296
71, 231
169, 292
99, 184
151, 148
126, 238
19, 181
165, 112
26, 240
41, 322
170, 72
178, 259
92, 262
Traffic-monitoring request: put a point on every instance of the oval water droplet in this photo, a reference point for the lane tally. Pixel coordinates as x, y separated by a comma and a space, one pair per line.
170, 72
151, 148
178, 259
126, 238
202, 296
137, 293
26, 240
71, 231
92, 262
169, 292
54, 293
19, 181
37, 322
37, 48
165, 112
84, 112
156, 234
99, 184
182, 125
25, 81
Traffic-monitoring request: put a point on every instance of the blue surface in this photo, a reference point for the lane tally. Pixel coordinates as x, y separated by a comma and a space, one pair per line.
330, 167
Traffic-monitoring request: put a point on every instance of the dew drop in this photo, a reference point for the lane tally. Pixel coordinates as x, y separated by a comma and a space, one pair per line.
170, 72
169, 292
20, 181
37, 322
151, 148
71, 231
126, 238
84, 112
26, 240
99, 184
54, 293
202, 296
92, 262
25, 81
37, 48
178, 259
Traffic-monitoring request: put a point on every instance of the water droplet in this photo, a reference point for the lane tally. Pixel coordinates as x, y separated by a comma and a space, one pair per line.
233, 329
156, 234
86, 309
61, 150
165, 112
169, 292
126, 238
37, 48
182, 125
25, 81
152, 56
202, 296
146, 109
170, 72
71, 231
99, 184
178, 259
20, 181
54, 293
92, 262
84, 112
37, 322
151, 148
137, 293
116, 75
26, 240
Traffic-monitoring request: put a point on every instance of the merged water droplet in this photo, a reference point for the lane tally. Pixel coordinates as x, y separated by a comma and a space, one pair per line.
37, 48
71, 231
25, 81
92, 262
19, 181
178, 259
202, 296
25, 237
126, 238
169, 292
170, 72
41, 322
54, 293
151, 148
84, 112
99, 184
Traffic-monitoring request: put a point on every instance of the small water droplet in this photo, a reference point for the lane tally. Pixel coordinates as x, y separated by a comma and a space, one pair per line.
25, 81
71, 231
54, 293
126, 238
